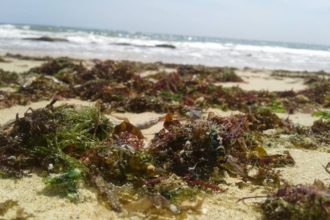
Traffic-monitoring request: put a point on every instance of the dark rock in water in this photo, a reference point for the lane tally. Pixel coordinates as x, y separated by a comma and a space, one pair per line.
131, 45
169, 46
46, 39
166, 46
123, 44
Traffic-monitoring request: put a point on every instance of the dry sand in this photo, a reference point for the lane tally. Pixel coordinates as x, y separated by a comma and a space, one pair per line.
19, 65
262, 80
29, 191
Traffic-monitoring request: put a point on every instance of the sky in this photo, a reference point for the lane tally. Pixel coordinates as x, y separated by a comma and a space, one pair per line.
301, 21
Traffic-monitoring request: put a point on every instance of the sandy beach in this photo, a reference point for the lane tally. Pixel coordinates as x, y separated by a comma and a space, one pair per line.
34, 203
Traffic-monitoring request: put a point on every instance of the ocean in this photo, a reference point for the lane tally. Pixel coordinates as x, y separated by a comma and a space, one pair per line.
120, 45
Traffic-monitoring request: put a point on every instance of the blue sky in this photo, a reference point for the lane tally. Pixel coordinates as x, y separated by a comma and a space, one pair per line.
278, 20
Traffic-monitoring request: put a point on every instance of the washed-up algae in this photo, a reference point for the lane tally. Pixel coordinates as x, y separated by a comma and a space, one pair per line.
8, 79
120, 86
311, 137
189, 157
70, 146
205, 149
299, 202
80, 145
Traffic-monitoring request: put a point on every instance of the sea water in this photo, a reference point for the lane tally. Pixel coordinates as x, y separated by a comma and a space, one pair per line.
121, 45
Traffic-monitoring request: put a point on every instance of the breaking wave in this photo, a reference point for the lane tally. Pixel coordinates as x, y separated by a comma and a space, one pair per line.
102, 44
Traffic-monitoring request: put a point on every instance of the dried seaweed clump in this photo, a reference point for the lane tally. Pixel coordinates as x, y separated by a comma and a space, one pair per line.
79, 145
299, 202
43, 88
210, 74
8, 78
312, 137
39, 88
320, 129
55, 66
204, 149
50, 137
191, 149
262, 119
319, 93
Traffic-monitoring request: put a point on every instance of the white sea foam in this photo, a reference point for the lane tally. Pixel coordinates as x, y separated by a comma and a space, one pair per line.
119, 45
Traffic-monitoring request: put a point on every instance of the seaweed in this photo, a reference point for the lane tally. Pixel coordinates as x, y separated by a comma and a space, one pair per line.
276, 106
23, 57
303, 142
211, 74
201, 149
322, 114
187, 149
8, 78
79, 145
54, 66
299, 202
312, 137
65, 183
186, 158
119, 86
263, 119
51, 136
318, 93
321, 127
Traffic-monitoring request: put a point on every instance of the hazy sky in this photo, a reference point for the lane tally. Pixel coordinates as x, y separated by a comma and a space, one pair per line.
280, 20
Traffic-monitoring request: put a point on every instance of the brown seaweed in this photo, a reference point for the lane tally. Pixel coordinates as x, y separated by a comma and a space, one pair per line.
299, 202
200, 148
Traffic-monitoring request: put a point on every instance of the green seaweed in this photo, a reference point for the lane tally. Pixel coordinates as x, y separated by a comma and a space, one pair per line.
276, 106
66, 183
172, 96
322, 114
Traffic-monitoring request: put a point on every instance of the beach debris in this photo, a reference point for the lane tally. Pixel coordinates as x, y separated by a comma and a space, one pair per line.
23, 57
121, 87
202, 149
312, 137
303, 142
299, 202
76, 145
263, 119
191, 155
65, 183
321, 127
8, 78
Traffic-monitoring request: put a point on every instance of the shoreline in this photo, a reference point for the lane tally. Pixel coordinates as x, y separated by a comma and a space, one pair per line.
42, 57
